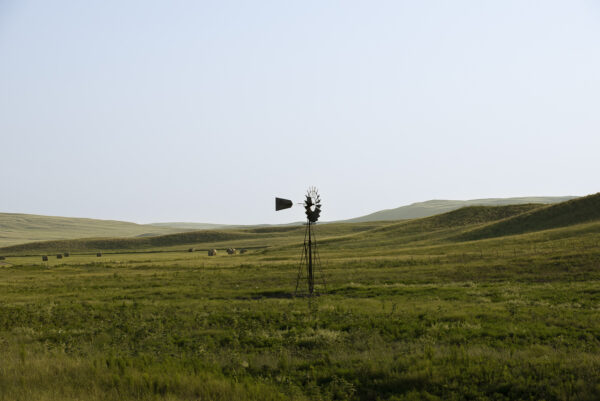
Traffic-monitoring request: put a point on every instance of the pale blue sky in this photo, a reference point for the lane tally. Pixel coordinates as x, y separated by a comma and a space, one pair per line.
204, 111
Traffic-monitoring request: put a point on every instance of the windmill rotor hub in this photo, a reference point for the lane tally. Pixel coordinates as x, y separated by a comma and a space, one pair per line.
312, 205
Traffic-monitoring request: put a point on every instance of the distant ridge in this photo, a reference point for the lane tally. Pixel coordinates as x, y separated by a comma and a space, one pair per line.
437, 206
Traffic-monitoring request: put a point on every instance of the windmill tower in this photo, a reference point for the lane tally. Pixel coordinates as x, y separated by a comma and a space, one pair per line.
310, 261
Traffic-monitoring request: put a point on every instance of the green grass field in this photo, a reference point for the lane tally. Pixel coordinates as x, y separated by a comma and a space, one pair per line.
480, 303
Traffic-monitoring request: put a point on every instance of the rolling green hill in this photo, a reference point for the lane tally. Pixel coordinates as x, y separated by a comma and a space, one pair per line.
16, 228
463, 217
433, 207
20, 232
575, 211
436, 229
413, 211
467, 223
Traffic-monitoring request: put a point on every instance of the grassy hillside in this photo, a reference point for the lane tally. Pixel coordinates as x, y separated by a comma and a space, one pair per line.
576, 211
468, 223
433, 207
408, 313
23, 228
463, 217
18, 228
435, 229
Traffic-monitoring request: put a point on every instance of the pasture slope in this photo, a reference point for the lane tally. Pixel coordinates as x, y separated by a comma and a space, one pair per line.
481, 303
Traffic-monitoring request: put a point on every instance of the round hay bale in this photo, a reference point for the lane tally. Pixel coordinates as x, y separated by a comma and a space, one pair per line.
44, 258
191, 250
231, 251
66, 254
99, 254
59, 256
212, 252
243, 250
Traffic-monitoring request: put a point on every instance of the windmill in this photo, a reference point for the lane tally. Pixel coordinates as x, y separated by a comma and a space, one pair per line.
310, 262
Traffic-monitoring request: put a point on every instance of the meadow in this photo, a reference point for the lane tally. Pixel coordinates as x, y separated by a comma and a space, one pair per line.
483, 303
